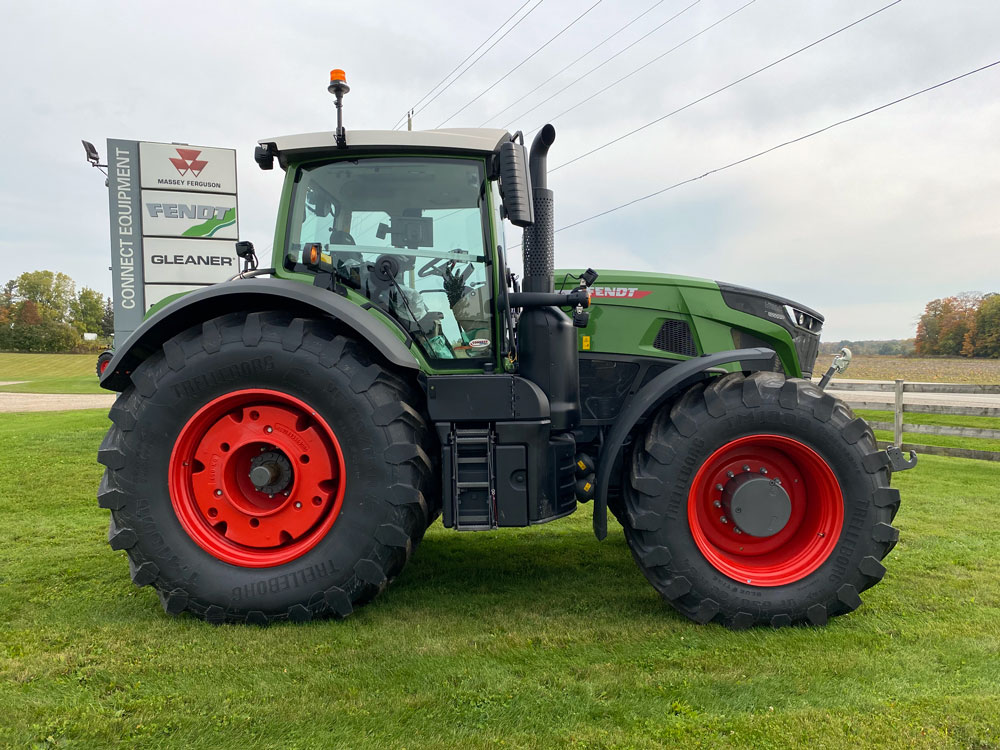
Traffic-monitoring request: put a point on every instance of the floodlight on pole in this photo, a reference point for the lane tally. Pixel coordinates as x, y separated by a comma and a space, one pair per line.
93, 157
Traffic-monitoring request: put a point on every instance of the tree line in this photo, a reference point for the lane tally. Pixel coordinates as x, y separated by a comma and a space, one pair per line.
967, 325
42, 311
870, 347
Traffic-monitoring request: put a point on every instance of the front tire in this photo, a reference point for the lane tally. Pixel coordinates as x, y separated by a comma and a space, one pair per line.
758, 501
262, 468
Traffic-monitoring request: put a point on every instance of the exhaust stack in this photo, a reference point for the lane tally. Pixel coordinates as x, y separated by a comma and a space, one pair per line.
546, 336
538, 239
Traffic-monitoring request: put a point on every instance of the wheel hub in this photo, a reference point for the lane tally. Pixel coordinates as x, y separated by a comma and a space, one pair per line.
270, 472
765, 509
757, 504
256, 477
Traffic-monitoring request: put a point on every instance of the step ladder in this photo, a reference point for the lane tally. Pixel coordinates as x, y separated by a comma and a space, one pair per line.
474, 482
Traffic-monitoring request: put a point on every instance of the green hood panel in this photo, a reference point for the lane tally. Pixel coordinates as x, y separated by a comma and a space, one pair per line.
629, 310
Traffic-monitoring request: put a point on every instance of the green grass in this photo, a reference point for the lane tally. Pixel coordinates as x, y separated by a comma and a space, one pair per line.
541, 638
49, 373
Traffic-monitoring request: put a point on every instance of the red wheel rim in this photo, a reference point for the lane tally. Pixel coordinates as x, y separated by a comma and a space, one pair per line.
806, 540
104, 365
218, 505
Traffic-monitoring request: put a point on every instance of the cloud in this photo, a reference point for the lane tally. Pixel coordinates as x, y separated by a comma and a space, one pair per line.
865, 223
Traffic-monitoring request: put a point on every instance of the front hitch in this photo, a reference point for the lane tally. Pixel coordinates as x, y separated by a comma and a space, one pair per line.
840, 363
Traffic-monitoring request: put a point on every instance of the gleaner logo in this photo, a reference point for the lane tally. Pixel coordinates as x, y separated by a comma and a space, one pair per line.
188, 161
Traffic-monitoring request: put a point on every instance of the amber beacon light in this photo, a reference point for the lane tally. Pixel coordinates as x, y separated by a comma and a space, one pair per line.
338, 87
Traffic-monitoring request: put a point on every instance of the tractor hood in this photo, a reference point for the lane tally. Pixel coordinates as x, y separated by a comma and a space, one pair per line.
627, 304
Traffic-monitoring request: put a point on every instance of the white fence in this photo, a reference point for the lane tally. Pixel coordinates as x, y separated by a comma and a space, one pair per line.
899, 409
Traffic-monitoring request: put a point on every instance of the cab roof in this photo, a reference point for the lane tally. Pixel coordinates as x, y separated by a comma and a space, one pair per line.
482, 140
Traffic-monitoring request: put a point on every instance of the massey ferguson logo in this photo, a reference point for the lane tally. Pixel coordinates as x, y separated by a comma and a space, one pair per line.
629, 292
187, 161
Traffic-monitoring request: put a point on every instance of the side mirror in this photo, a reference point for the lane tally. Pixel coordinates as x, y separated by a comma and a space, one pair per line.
264, 156
515, 185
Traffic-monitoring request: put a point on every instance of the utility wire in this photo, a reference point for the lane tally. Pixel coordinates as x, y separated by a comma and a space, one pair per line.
727, 86
531, 10
495, 31
563, 70
605, 62
782, 145
641, 67
488, 88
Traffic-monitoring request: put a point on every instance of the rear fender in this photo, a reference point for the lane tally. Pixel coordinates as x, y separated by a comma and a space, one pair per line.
251, 295
655, 392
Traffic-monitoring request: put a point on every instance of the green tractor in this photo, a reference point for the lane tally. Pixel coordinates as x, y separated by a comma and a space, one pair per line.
282, 441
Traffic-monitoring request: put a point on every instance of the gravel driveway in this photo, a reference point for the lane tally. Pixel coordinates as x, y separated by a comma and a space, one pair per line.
11, 402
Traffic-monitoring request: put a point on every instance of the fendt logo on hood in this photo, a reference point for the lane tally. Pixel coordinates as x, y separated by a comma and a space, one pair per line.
627, 292
188, 162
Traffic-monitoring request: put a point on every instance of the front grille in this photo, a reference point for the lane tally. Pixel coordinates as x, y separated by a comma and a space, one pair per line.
674, 336
806, 347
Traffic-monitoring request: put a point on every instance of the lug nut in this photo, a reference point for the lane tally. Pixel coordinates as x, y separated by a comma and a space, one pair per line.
730, 474
269, 429
763, 470
298, 505
717, 504
218, 493
719, 487
746, 467
723, 519
737, 529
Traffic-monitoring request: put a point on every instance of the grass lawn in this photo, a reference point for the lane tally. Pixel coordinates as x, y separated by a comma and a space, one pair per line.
527, 639
49, 373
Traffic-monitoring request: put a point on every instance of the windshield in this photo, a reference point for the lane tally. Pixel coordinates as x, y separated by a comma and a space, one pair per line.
407, 234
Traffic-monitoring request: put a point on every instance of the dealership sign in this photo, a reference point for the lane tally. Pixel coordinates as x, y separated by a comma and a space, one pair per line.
173, 223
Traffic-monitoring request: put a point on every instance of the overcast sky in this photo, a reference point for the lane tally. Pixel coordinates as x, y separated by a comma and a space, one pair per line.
865, 223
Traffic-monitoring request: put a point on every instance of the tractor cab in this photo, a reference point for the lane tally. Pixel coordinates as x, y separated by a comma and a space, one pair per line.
413, 235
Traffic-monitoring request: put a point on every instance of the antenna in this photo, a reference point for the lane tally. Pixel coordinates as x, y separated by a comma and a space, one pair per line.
338, 87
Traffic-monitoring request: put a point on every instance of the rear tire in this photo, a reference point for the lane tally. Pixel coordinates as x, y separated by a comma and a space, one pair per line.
103, 360
344, 444
804, 569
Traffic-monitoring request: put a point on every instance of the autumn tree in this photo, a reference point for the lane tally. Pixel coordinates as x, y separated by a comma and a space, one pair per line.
946, 324
986, 340
40, 311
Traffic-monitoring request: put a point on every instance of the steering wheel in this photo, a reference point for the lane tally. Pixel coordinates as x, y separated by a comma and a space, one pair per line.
432, 267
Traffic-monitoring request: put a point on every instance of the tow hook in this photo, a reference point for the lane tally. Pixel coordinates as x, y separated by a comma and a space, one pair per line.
896, 460
840, 363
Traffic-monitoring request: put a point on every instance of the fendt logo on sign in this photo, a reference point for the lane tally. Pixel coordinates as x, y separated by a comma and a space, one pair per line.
628, 292
187, 161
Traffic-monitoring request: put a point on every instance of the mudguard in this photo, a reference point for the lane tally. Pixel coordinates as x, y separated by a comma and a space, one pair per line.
250, 295
655, 392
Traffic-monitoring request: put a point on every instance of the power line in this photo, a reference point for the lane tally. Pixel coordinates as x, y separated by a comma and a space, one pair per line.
531, 10
400, 120
605, 62
782, 145
563, 70
488, 88
641, 67
727, 86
